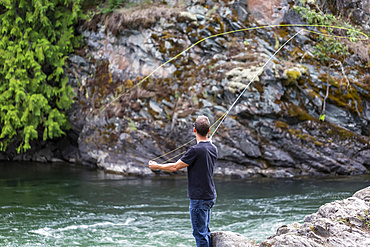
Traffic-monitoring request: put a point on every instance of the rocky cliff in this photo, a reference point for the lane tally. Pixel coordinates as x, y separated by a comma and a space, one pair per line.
122, 118
339, 223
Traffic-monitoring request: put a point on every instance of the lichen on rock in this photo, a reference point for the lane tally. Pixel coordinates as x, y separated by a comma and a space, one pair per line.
339, 223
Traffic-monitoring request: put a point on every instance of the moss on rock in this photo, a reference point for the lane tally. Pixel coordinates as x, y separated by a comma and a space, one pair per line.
298, 112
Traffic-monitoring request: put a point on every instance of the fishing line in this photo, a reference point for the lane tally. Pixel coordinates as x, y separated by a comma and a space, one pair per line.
259, 71
184, 144
223, 117
235, 31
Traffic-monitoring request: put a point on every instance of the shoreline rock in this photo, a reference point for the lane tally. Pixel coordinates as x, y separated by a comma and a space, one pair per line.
273, 131
342, 223
230, 239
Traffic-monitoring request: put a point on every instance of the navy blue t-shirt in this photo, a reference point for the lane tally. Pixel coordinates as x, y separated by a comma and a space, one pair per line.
201, 159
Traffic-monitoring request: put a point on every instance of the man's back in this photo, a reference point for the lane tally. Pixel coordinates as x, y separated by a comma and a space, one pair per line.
201, 159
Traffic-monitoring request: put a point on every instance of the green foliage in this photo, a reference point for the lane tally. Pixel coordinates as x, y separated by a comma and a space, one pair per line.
96, 7
35, 40
328, 46
112, 5
131, 124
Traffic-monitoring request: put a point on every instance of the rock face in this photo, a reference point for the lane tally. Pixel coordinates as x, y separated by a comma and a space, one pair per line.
359, 8
339, 223
268, 12
273, 130
140, 84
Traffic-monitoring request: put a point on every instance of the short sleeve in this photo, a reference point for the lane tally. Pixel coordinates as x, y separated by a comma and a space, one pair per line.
189, 157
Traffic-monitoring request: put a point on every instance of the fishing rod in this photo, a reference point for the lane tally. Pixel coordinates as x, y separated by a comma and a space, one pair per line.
254, 77
223, 117
365, 37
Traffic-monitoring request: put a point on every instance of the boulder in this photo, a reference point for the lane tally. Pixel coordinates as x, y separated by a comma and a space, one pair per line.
339, 223
363, 194
230, 239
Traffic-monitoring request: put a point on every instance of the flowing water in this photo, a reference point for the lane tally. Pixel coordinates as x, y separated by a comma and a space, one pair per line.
51, 205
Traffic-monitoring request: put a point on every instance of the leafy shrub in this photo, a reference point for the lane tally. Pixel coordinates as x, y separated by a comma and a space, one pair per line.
328, 45
113, 4
35, 40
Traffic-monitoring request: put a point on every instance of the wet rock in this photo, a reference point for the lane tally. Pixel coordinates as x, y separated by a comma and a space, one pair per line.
363, 194
44, 155
68, 150
339, 223
272, 131
117, 164
229, 239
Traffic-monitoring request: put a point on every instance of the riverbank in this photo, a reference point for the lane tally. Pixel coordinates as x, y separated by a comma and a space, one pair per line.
342, 223
122, 118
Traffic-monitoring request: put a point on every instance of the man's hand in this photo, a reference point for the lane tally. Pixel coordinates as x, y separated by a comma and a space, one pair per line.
153, 165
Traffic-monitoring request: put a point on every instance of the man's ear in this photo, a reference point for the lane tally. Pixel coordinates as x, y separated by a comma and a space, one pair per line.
194, 130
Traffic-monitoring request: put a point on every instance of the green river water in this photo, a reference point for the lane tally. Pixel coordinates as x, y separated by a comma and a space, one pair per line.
57, 205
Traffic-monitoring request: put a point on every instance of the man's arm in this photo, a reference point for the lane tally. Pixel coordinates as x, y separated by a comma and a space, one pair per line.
169, 167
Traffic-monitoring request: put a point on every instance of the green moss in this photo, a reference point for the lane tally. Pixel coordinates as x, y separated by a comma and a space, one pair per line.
304, 137
338, 134
292, 77
348, 99
281, 125
317, 143
312, 94
340, 94
364, 83
298, 112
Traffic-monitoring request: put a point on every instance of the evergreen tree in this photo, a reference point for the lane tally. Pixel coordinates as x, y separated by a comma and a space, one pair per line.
36, 37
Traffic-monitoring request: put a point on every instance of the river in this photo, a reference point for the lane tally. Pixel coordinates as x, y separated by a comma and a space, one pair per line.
58, 205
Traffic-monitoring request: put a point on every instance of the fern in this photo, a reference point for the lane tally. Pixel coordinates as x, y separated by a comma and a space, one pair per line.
35, 40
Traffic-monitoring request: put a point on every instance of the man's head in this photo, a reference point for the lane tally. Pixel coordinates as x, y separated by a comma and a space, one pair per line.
201, 125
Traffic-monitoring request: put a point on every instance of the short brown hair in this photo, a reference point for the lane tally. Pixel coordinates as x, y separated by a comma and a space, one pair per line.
202, 125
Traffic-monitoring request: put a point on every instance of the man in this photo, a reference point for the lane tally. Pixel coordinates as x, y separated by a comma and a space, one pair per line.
200, 160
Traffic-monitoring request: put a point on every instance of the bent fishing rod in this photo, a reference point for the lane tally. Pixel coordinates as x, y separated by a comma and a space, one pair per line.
254, 77
223, 117
365, 37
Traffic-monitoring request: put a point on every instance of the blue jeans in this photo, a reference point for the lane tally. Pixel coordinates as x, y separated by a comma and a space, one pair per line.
200, 215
